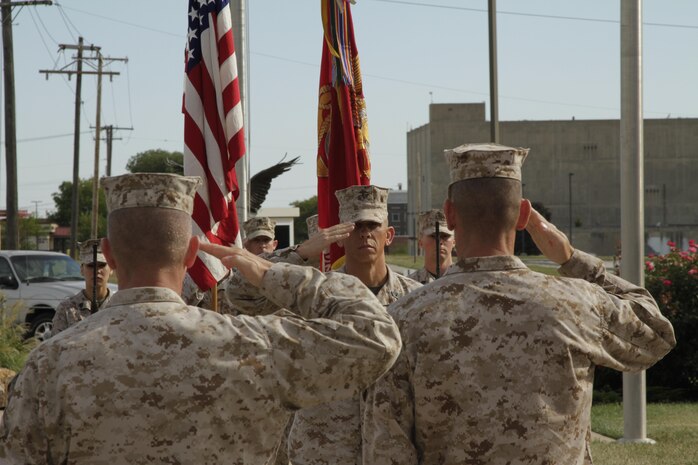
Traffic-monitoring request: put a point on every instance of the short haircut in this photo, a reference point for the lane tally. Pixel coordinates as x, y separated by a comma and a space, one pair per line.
487, 205
149, 238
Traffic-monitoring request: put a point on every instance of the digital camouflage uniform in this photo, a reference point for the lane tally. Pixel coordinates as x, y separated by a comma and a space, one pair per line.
422, 276
330, 434
186, 385
73, 310
497, 365
427, 222
152, 380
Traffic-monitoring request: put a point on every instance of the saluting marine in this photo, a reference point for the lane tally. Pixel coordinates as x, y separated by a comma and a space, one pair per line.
331, 433
434, 259
260, 235
497, 364
151, 380
78, 307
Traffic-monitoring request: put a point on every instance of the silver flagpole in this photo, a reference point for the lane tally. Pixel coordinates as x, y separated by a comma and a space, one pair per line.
238, 12
632, 200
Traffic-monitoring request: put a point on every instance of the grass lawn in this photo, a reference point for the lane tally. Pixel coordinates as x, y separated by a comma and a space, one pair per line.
673, 426
406, 261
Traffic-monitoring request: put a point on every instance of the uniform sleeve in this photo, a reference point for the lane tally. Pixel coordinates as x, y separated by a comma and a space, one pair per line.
338, 340
287, 255
60, 318
634, 333
245, 299
23, 433
388, 419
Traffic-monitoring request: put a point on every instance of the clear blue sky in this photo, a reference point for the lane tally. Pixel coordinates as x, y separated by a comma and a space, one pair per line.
551, 66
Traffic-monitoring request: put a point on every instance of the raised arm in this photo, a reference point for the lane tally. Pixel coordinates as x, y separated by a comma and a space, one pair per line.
635, 334
335, 338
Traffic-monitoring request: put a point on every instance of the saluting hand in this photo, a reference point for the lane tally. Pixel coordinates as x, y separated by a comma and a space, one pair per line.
552, 242
318, 242
250, 266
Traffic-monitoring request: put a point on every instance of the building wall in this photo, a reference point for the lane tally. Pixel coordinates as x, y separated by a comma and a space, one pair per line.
397, 211
590, 150
419, 175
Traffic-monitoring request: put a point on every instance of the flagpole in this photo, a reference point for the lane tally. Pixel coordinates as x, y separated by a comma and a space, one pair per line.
238, 13
631, 198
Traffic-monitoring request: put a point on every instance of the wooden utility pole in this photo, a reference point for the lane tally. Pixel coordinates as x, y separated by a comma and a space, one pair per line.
94, 233
99, 72
98, 126
494, 83
109, 138
10, 121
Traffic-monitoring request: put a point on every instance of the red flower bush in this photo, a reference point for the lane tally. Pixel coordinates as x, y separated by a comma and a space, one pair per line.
672, 279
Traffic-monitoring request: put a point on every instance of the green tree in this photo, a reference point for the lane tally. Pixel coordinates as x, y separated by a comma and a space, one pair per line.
63, 201
307, 207
156, 161
29, 230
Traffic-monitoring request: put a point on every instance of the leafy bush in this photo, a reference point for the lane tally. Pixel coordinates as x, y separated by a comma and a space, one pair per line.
672, 279
14, 348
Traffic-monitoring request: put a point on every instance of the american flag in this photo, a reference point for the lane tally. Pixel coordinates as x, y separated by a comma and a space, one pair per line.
213, 131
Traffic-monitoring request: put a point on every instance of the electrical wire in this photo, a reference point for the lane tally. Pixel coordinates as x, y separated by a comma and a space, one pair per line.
533, 15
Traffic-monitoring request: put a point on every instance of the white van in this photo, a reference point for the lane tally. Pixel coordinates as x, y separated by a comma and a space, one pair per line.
39, 281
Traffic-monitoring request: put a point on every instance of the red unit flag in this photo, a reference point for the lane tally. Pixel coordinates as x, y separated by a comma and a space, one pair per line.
343, 155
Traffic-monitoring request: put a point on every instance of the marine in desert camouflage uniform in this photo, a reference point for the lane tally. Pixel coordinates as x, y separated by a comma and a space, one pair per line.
78, 307
426, 226
497, 364
331, 433
153, 380
260, 235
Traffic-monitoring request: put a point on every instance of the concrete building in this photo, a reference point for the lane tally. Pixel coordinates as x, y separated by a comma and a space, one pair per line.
397, 217
283, 217
573, 169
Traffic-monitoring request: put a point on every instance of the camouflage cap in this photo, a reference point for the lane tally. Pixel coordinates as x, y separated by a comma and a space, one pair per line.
259, 226
363, 203
312, 223
488, 160
151, 190
427, 222
87, 252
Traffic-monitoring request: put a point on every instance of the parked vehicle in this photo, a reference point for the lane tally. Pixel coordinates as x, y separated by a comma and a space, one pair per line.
39, 281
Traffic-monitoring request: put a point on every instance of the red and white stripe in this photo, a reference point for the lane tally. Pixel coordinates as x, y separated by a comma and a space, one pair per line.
213, 142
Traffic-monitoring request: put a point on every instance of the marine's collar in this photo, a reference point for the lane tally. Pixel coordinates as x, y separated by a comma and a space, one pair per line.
492, 263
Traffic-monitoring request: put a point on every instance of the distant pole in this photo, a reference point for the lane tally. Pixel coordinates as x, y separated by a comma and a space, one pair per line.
523, 231
570, 202
12, 233
494, 97
109, 138
36, 215
98, 119
438, 251
632, 197
238, 13
75, 195
76, 141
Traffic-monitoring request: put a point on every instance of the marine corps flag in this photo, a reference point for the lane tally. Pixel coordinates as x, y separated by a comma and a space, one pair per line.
342, 158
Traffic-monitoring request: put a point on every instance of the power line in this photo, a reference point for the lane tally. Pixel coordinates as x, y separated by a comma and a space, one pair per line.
139, 26
54, 136
454, 89
533, 15
68, 23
